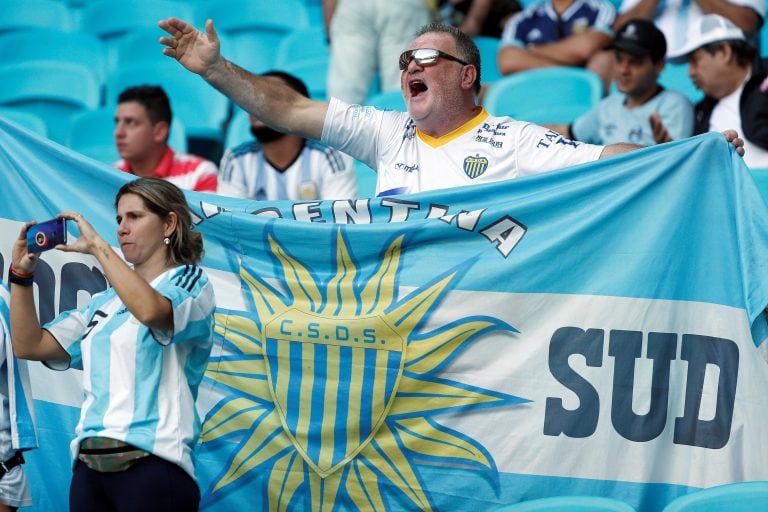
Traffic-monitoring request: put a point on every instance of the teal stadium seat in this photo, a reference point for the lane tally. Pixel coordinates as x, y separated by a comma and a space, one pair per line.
764, 41
53, 44
489, 48
140, 45
238, 130
366, 180
200, 108
736, 497
52, 90
26, 14
304, 53
545, 95
388, 100
675, 77
254, 28
569, 504
307, 43
91, 133
25, 120
111, 20
314, 73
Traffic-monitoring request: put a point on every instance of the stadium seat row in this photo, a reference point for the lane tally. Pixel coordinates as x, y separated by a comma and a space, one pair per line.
735, 497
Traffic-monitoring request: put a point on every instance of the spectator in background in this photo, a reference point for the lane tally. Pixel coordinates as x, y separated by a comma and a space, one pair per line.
367, 37
282, 166
559, 33
478, 17
142, 125
642, 112
676, 17
720, 64
17, 428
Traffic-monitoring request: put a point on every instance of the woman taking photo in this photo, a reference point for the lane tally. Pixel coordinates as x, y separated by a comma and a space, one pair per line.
142, 344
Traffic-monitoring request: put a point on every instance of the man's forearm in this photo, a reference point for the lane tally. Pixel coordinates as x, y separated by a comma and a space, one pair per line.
742, 16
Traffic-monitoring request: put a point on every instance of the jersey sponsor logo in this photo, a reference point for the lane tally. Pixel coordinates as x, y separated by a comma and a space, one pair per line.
475, 166
407, 168
490, 141
410, 131
534, 35
499, 129
552, 137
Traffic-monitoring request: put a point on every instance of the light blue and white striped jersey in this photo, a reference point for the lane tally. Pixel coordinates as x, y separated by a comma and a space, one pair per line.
318, 172
17, 423
140, 386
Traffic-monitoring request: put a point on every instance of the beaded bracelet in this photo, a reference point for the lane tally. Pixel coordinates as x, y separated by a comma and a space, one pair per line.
20, 278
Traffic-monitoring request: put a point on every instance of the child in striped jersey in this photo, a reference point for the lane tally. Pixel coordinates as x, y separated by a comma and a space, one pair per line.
142, 345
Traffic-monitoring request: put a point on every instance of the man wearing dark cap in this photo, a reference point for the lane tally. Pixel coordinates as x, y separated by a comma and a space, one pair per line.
642, 111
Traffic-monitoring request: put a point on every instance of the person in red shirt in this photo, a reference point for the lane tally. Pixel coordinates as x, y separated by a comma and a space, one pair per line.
142, 124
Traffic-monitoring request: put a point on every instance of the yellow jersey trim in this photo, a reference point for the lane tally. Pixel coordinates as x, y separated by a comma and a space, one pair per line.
458, 132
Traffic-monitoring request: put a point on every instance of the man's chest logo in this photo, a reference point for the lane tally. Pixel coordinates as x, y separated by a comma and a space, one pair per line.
475, 166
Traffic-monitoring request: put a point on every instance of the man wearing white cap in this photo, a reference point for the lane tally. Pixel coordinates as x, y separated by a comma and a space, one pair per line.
720, 64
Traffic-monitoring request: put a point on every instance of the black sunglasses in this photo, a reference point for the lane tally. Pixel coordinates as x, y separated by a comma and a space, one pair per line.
426, 57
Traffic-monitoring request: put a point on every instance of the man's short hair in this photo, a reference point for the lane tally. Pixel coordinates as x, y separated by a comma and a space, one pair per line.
468, 51
154, 100
291, 81
743, 51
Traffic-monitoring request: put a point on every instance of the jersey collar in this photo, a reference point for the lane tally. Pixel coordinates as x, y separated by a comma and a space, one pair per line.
458, 132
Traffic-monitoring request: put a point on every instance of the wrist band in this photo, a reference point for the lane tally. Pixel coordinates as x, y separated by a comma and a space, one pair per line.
20, 274
15, 278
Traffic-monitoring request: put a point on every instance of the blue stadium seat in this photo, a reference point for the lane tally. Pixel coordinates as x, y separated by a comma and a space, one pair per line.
314, 73
675, 77
544, 95
764, 41
238, 130
91, 133
26, 120
254, 28
200, 108
53, 44
52, 90
26, 14
140, 45
306, 43
388, 100
366, 180
569, 504
489, 47
111, 20
736, 497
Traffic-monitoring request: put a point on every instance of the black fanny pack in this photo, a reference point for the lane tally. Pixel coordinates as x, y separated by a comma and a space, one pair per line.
109, 455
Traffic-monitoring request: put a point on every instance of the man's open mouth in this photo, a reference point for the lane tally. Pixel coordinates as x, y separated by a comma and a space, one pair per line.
417, 87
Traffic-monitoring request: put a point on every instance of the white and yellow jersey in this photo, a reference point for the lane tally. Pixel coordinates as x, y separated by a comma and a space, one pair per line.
483, 150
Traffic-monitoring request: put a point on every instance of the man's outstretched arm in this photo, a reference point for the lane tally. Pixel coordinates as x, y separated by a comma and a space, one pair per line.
270, 100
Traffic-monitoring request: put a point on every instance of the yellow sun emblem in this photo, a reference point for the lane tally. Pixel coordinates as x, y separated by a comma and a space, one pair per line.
334, 388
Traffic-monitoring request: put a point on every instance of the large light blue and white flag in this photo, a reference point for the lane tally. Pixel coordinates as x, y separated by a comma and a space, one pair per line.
596, 330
